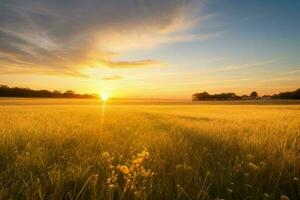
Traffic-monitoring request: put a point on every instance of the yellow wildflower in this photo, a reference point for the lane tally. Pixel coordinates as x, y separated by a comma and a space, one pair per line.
124, 169
145, 153
105, 155
146, 173
138, 161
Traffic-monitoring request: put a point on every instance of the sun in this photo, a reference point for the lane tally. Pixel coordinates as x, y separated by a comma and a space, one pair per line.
104, 96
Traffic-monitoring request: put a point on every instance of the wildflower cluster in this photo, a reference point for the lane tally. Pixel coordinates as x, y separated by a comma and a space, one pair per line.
132, 177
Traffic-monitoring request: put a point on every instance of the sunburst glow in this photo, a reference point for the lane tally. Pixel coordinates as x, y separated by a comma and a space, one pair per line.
104, 96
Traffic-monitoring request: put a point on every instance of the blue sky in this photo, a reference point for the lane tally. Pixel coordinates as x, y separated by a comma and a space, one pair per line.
169, 49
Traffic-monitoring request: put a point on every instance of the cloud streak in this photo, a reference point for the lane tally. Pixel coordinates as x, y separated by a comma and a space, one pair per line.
112, 78
62, 37
132, 64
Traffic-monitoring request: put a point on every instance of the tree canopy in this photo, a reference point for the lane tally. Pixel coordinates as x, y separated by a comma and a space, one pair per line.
288, 95
204, 96
253, 95
6, 91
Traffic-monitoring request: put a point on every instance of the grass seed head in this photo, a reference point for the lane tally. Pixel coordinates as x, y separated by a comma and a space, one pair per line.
123, 169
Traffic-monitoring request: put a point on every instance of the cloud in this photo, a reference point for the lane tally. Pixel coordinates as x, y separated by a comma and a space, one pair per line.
292, 72
212, 60
133, 64
63, 37
112, 78
243, 66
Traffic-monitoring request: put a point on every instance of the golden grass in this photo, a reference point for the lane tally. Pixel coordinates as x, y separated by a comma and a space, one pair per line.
61, 151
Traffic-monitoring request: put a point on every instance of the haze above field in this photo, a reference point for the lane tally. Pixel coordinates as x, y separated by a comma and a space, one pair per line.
151, 49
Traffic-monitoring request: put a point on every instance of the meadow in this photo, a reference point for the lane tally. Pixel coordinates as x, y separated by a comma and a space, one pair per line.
78, 149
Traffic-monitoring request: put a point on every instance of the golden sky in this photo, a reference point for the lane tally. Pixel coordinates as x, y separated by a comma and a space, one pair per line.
149, 49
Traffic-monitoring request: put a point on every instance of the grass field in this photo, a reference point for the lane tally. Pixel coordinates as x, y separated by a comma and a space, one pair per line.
55, 150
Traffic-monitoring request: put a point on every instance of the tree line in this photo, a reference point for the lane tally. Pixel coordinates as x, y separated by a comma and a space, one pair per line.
6, 91
204, 96
288, 95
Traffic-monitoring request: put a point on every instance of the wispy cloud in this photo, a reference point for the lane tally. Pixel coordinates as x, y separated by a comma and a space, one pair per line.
291, 72
133, 64
277, 79
284, 76
65, 37
242, 66
112, 78
212, 60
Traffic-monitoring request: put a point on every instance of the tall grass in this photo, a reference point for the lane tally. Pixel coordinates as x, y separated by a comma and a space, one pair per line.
149, 152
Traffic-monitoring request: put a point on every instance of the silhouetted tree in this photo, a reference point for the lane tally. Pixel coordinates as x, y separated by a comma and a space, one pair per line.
201, 96
6, 91
288, 95
253, 95
204, 96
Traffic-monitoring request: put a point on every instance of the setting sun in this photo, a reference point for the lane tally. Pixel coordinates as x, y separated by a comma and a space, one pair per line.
104, 97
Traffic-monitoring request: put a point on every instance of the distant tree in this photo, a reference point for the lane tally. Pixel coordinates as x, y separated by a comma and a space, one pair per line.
4, 86
288, 95
6, 91
57, 92
245, 97
204, 96
69, 92
253, 95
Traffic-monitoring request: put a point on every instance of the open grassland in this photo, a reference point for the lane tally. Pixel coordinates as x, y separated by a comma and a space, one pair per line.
57, 150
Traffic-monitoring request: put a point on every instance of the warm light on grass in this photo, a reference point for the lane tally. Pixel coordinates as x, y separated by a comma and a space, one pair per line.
151, 151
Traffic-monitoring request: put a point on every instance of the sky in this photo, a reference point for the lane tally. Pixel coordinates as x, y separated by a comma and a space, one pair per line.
151, 49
